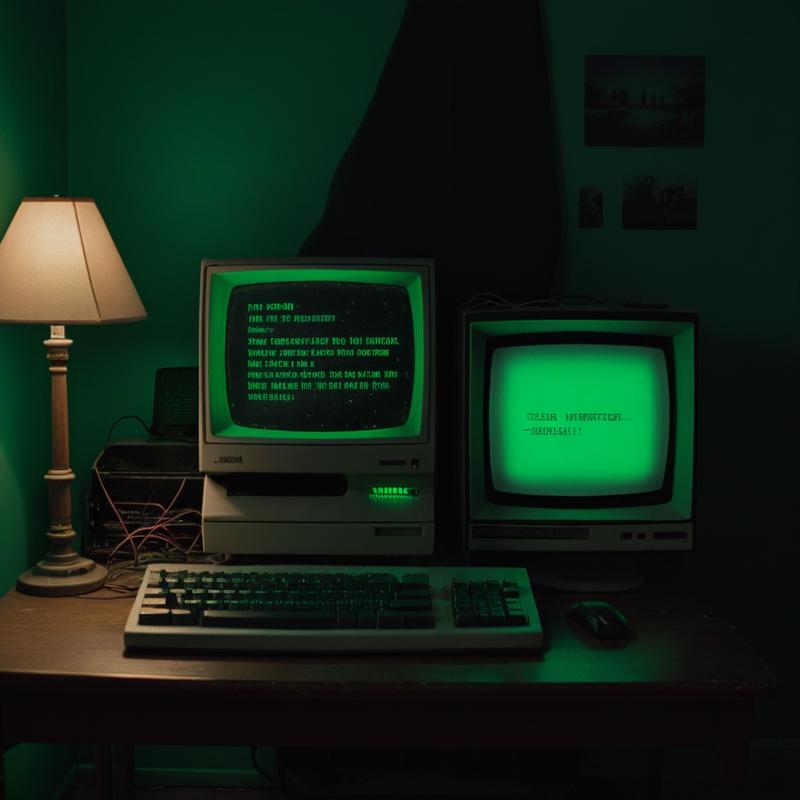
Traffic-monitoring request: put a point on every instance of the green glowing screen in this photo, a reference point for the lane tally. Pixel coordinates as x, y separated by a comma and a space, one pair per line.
578, 420
315, 354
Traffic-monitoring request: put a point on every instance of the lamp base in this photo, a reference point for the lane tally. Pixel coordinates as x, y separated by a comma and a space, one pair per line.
58, 580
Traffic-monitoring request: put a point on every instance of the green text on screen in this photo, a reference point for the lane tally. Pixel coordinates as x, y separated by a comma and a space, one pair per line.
312, 354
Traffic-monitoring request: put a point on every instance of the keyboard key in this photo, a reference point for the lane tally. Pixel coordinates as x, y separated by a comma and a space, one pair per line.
367, 619
403, 602
154, 616
467, 619
391, 619
300, 620
416, 580
154, 602
348, 619
419, 620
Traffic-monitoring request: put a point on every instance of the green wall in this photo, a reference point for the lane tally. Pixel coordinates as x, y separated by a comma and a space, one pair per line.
203, 130
738, 270
32, 162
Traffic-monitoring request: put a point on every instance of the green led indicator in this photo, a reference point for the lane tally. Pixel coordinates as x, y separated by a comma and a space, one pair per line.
393, 492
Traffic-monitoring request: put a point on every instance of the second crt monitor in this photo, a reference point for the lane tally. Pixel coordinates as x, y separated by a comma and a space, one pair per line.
316, 398
579, 428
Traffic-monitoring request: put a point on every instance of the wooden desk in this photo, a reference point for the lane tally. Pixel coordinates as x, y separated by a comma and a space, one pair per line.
686, 680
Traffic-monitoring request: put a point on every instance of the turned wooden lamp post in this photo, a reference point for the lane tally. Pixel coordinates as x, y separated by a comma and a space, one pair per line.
59, 266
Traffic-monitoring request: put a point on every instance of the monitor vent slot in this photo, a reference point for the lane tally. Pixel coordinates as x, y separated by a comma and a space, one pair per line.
528, 532
399, 530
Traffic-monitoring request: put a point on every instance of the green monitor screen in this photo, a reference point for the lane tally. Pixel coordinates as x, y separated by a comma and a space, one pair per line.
319, 356
312, 354
579, 419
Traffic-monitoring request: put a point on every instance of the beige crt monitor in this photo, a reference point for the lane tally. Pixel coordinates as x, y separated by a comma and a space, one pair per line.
316, 397
579, 428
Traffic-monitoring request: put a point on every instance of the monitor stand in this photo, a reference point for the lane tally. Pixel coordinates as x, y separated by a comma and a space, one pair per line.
587, 572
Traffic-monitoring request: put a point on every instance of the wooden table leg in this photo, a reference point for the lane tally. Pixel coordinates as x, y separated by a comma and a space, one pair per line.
655, 774
2, 772
733, 750
126, 780
102, 772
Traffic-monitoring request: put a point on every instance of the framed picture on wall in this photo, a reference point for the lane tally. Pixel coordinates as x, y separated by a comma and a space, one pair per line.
658, 203
590, 207
644, 101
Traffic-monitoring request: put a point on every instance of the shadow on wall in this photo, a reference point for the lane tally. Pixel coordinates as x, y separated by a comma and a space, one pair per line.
454, 161
454, 157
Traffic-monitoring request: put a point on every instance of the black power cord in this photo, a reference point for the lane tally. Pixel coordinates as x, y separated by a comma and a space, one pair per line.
120, 419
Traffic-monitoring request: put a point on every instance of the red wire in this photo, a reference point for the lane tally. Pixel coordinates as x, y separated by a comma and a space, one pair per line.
161, 523
163, 514
167, 523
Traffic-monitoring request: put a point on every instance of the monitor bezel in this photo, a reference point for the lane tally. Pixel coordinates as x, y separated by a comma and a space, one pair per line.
655, 497
333, 453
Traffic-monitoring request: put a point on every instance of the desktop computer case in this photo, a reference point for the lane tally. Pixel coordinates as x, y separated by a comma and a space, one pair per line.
361, 522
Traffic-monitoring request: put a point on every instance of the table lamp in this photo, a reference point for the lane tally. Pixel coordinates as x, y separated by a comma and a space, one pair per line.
59, 266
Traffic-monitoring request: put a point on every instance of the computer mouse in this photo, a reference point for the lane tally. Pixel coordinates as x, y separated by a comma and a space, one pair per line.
601, 619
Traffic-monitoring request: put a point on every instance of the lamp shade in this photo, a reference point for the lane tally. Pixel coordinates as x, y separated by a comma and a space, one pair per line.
59, 265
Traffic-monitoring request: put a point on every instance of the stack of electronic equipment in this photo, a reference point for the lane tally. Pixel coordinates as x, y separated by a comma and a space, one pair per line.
145, 494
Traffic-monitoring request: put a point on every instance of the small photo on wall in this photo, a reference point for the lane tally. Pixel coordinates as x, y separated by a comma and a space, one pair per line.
590, 208
645, 101
653, 203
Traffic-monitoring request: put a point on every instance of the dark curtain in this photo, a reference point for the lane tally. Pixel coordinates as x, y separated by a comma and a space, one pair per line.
454, 161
